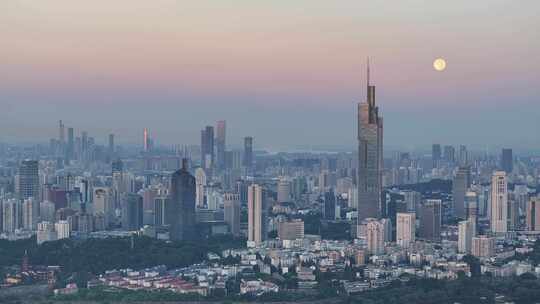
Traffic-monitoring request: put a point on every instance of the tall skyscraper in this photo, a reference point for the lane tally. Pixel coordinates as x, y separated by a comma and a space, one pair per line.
28, 183
449, 154
220, 143
70, 144
499, 202
507, 161
461, 184
329, 205
200, 181
61, 134
132, 212
146, 140
248, 152
533, 214
111, 146
207, 147
436, 154
430, 220
181, 214
465, 235
103, 204
231, 209
370, 155
257, 229
405, 228
283, 191
463, 156
161, 206
30, 212
12, 215
471, 203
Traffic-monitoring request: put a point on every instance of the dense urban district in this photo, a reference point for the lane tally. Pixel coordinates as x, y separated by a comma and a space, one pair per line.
88, 222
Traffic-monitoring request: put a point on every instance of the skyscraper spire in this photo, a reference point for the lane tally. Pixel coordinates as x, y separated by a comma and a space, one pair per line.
368, 71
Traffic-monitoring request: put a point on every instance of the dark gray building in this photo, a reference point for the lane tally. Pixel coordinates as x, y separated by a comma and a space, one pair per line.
460, 185
181, 210
430, 220
207, 147
132, 212
248, 152
370, 156
507, 161
28, 179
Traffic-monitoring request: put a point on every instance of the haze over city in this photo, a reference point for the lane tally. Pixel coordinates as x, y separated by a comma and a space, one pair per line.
290, 72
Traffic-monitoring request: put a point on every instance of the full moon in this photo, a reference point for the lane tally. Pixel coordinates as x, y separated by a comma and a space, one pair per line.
439, 64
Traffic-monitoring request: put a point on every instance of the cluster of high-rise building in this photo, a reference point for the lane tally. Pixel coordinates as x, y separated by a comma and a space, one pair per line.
390, 205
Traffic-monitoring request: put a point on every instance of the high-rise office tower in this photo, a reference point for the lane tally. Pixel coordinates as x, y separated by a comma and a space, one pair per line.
463, 156
11, 214
436, 154
231, 209
533, 214
370, 155
405, 228
111, 146
146, 140
507, 161
132, 212
248, 152
329, 205
200, 181
471, 205
220, 143
70, 144
449, 154
499, 202
30, 212
283, 191
28, 183
513, 215
207, 147
430, 220
375, 236
103, 204
257, 229
161, 205
61, 134
181, 214
461, 184
465, 235
46, 211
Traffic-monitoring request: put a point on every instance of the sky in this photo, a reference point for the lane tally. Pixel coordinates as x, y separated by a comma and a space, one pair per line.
290, 73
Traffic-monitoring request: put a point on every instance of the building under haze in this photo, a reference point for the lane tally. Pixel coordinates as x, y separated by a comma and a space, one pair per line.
507, 161
248, 152
207, 147
499, 202
460, 185
231, 209
220, 144
257, 229
370, 155
181, 209
28, 179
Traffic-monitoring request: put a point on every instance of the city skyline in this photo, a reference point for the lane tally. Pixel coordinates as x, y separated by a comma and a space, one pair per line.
263, 76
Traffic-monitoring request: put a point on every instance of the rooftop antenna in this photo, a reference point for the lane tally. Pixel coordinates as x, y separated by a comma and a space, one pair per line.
368, 71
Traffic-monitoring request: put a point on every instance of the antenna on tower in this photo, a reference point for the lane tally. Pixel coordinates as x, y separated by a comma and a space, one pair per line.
368, 71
